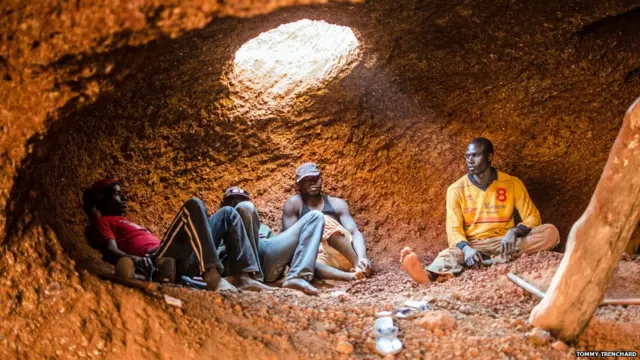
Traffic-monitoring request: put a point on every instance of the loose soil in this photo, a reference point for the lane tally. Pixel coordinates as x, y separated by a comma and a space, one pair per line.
490, 311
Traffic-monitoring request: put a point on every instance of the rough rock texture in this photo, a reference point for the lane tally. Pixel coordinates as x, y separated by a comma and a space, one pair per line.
538, 337
139, 90
442, 320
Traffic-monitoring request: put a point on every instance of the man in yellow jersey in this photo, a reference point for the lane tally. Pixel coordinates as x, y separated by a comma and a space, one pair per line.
480, 220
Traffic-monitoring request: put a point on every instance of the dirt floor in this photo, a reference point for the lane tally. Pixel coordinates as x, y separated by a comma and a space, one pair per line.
490, 316
490, 312
141, 91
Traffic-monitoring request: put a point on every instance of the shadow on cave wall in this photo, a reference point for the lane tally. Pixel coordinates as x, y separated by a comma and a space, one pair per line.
390, 136
160, 128
139, 130
65, 159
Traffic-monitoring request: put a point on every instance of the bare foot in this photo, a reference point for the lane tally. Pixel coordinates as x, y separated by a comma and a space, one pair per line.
217, 283
125, 268
225, 287
300, 284
411, 264
244, 282
358, 275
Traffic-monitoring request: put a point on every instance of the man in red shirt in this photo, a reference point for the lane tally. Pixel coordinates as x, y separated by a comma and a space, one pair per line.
191, 240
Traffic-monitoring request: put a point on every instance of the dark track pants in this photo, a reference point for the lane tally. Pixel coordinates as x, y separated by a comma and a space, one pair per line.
192, 240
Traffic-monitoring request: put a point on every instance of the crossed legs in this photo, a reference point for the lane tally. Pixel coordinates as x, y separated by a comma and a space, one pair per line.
240, 261
450, 261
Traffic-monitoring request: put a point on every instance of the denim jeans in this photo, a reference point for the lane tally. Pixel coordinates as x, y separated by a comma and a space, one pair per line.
297, 246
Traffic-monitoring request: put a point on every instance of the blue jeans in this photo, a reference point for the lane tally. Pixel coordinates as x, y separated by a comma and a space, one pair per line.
297, 246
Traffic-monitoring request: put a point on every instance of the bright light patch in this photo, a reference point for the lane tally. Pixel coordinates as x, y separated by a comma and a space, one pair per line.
273, 69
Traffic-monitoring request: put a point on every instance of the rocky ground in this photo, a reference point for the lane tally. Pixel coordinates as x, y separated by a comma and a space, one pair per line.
490, 315
480, 314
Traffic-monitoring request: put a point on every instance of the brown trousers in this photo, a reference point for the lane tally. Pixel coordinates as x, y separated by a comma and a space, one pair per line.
451, 261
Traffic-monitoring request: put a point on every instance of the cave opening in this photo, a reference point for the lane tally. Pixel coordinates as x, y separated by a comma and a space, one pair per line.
190, 113
272, 71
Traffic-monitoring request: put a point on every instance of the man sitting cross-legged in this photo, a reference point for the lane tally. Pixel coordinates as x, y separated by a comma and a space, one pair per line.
342, 248
191, 239
480, 220
296, 247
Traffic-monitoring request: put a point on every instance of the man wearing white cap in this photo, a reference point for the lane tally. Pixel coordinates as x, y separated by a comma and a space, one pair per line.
342, 254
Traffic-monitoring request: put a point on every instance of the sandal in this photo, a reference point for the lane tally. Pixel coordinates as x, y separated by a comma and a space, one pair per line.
406, 312
386, 333
191, 282
412, 309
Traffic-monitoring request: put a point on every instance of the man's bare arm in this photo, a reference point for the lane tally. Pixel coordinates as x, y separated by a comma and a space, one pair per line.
342, 209
111, 249
290, 212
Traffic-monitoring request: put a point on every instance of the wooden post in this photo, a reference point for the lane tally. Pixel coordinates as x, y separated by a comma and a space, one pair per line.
596, 240
634, 243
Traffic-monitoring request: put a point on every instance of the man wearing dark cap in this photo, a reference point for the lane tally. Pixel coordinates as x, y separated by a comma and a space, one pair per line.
342, 254
296, 247
191, 240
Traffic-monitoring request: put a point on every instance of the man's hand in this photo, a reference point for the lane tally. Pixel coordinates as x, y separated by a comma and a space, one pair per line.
508, 246
143, 263
364, 265
471, 256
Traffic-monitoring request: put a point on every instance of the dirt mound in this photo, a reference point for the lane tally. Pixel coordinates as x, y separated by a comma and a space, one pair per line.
624, 284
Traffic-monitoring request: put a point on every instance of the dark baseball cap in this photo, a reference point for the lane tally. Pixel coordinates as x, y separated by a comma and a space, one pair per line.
236, 191
307, 169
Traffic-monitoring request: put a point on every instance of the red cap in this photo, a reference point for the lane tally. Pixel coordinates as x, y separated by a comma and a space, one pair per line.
100, 185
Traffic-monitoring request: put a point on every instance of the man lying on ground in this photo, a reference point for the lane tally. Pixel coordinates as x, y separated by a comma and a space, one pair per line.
191, 240
296, 247
480, 220
342, 248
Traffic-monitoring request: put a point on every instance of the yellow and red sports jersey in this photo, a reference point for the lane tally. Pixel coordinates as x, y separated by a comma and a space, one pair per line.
474, 213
